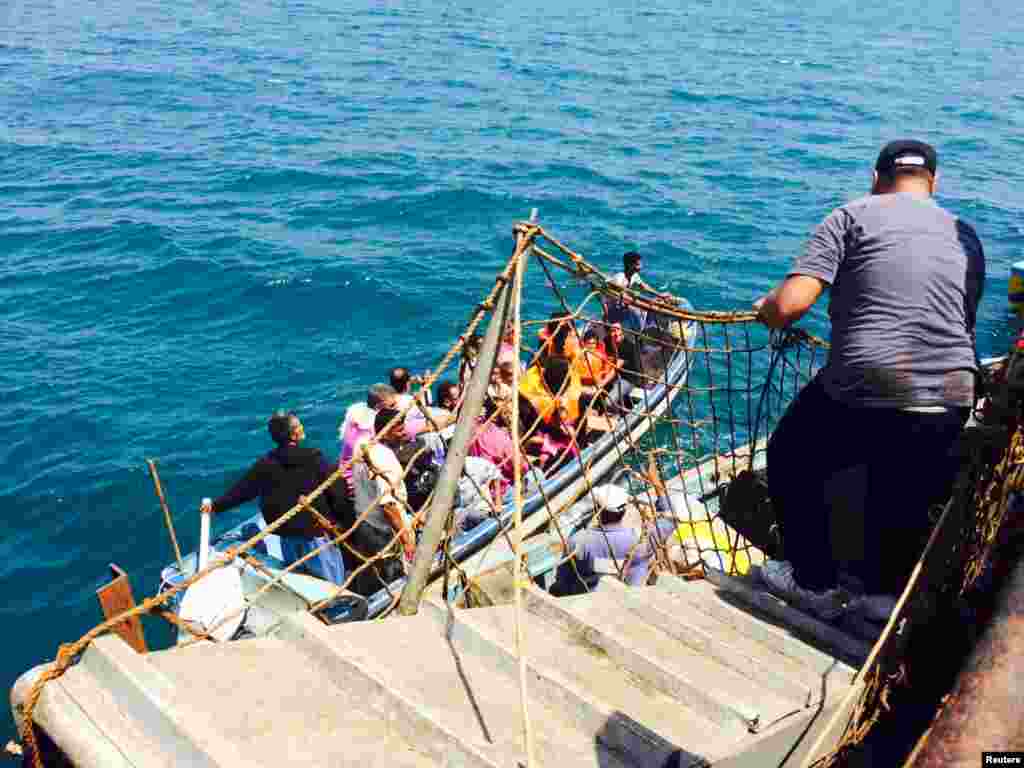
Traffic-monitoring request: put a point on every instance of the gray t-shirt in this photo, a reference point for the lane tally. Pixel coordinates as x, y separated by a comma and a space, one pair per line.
906, 279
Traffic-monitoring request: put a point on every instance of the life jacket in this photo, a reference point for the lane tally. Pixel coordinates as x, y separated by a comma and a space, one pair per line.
591, 365
533, 388
569, 352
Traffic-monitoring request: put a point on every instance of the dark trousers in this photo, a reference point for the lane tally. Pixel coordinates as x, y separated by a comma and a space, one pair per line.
909, 467
370, 542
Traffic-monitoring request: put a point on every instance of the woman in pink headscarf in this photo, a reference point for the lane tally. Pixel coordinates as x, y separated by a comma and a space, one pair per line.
493, 442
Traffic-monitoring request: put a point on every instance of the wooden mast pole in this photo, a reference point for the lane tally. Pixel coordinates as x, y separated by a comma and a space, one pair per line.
447, 483
517, 535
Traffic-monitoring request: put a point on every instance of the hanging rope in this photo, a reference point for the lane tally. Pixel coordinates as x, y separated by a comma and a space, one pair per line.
708, 388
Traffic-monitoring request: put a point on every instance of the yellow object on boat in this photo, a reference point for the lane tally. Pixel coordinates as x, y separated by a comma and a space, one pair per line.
1015, 294
715, 546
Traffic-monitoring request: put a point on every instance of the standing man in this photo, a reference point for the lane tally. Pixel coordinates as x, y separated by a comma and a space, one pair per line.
381, 502
401, 380
618, 309
906, 277
278, 479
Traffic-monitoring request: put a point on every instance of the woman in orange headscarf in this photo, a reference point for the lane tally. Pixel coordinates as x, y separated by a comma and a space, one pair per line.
559, 338
550, 397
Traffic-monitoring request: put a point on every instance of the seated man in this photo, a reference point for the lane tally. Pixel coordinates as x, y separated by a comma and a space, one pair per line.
478, 495
500, 387
449, 395
470, 353
626, 347
421, 459
401, 381
278, 479
381, 504
613, 547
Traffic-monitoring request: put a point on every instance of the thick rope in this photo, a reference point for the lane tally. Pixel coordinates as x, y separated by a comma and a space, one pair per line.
722, 400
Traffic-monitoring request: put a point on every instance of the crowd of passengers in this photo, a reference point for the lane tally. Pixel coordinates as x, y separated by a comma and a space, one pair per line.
578, 383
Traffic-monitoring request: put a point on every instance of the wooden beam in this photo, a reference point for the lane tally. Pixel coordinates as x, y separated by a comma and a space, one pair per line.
115, 598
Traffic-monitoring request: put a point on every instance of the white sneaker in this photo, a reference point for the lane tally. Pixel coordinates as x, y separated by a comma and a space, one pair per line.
827, 605
875, 608
778, 576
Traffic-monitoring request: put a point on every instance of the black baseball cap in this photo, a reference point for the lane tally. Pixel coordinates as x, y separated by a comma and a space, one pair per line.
906, 153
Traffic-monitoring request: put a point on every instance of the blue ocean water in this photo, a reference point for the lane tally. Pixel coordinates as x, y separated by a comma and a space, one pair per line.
214, 210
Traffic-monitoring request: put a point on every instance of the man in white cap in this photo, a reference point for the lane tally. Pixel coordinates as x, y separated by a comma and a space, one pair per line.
613, 547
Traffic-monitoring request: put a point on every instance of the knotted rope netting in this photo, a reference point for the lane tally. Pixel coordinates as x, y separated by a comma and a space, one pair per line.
706, 389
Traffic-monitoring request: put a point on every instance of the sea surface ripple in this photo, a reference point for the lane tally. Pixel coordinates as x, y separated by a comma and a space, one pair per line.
214, 210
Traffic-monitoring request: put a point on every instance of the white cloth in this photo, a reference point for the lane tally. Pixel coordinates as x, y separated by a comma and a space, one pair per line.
499, 390
360, 414
478, 474
619, 279
384, 480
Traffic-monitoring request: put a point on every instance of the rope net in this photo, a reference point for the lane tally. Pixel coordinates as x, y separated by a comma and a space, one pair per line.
603, 385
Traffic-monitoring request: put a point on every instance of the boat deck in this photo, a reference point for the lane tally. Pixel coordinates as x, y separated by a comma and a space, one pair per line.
682, 674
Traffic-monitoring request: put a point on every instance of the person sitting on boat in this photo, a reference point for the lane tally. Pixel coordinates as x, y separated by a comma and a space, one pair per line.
420, 424
614, 548
593, 366
549, 408
401, 381
625, 350
479, 492
381, 502
358, 425
500, 386
470, 353
449, 395
493, 441
619, 308
906, 277
507, 351
559, 337
277, 480
421, 460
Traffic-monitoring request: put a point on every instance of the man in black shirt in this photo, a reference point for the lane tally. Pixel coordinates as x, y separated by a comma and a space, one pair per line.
278, 479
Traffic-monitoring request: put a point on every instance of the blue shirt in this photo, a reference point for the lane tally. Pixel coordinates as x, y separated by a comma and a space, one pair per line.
607, 549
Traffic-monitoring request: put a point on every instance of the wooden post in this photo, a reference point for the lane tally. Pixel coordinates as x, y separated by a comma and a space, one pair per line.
116, 598
168, 520
517, 518
447, 483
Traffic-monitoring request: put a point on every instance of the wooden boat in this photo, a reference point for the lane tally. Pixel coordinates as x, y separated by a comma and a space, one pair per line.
552, 496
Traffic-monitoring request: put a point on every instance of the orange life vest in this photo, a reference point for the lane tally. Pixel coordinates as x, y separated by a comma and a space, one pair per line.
533, 388
591, 365
569, 352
